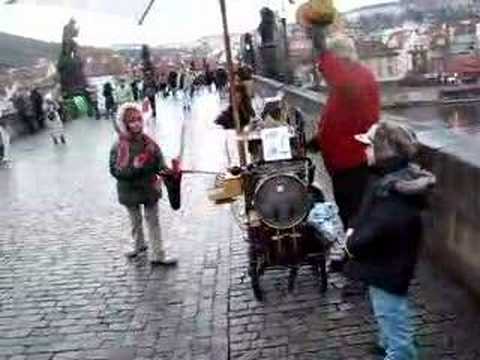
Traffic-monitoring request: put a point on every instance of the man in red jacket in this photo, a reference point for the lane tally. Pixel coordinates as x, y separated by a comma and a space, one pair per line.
353, 106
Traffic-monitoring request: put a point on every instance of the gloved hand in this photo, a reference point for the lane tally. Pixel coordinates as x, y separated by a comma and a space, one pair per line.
312, 146
141, 160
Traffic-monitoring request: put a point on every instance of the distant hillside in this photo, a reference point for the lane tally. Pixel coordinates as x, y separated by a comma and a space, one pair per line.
16, 51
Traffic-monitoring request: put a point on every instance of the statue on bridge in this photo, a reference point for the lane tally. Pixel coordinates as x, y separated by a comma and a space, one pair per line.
267, 27
269, 51
70, 66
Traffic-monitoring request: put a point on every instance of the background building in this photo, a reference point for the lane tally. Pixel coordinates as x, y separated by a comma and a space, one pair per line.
389, 8
432, 5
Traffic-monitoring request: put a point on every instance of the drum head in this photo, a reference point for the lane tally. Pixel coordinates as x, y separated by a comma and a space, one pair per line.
281, 201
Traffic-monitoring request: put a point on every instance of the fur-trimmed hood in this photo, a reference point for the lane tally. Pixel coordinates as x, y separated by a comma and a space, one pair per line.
411, 180
119, 123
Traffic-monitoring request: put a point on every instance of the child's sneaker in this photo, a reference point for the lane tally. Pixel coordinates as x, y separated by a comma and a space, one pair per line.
165, 261
130, 254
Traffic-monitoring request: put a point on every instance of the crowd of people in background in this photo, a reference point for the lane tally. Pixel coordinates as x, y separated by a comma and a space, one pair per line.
29, 107
39, 109
181, 83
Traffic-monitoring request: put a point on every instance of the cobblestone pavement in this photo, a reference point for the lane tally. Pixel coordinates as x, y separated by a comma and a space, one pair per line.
67, 292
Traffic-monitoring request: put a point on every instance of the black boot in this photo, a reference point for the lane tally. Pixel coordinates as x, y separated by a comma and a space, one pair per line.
377, 350
338, 265
354, 288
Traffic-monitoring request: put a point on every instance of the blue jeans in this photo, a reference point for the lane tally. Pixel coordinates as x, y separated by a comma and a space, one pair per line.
393, 317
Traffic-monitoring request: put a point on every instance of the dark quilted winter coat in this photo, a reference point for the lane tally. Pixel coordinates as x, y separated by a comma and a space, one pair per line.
135, 186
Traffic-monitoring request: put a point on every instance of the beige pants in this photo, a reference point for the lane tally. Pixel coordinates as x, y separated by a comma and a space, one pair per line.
155, 250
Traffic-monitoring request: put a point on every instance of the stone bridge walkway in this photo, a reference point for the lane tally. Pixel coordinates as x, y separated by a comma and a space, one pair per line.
67, 292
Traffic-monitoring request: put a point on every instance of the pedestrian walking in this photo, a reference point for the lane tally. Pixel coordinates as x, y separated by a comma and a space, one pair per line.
248, 52
221, 81
4, 144
37, 104
24, 109
141, 89
163, 84
135, 90
150, 92
173, 82
209, 77
188, 89
61, 110
92, 96
124, 93
109, 100
384, 238
181, 79
137, 162
53, 121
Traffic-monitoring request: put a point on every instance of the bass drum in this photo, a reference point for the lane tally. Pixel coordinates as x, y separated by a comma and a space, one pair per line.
281, 201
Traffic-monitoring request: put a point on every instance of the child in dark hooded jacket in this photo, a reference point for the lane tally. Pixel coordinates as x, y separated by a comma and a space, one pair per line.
384, 240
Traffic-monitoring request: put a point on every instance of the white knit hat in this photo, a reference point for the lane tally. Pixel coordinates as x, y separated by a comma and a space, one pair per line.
342, 45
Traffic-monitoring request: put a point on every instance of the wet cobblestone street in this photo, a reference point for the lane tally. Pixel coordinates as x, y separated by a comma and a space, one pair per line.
67, 291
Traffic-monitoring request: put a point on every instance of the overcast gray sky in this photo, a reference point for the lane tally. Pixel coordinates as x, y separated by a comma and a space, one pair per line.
106, 22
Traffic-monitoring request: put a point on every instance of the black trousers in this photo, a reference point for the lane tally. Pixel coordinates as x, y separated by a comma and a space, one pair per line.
30, 122
39, 118
349, 187
153, 105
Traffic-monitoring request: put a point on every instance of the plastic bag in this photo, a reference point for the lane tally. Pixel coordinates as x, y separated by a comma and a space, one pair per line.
325, 219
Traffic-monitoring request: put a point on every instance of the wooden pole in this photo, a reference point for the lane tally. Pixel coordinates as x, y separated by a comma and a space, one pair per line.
286, 52
145, 13
231, 78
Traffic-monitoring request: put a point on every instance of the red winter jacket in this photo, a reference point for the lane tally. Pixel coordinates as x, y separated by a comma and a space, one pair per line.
353, 106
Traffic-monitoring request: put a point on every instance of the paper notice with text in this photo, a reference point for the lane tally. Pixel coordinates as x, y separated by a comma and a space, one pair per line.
276, 144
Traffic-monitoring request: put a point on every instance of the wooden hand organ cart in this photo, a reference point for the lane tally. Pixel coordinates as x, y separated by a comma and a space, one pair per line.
278, 194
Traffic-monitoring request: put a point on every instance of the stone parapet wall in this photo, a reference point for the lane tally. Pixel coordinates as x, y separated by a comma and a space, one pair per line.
451, 238
452, 233
392, 96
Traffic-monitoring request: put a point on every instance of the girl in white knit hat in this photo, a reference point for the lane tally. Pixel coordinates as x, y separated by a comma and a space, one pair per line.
52, 120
